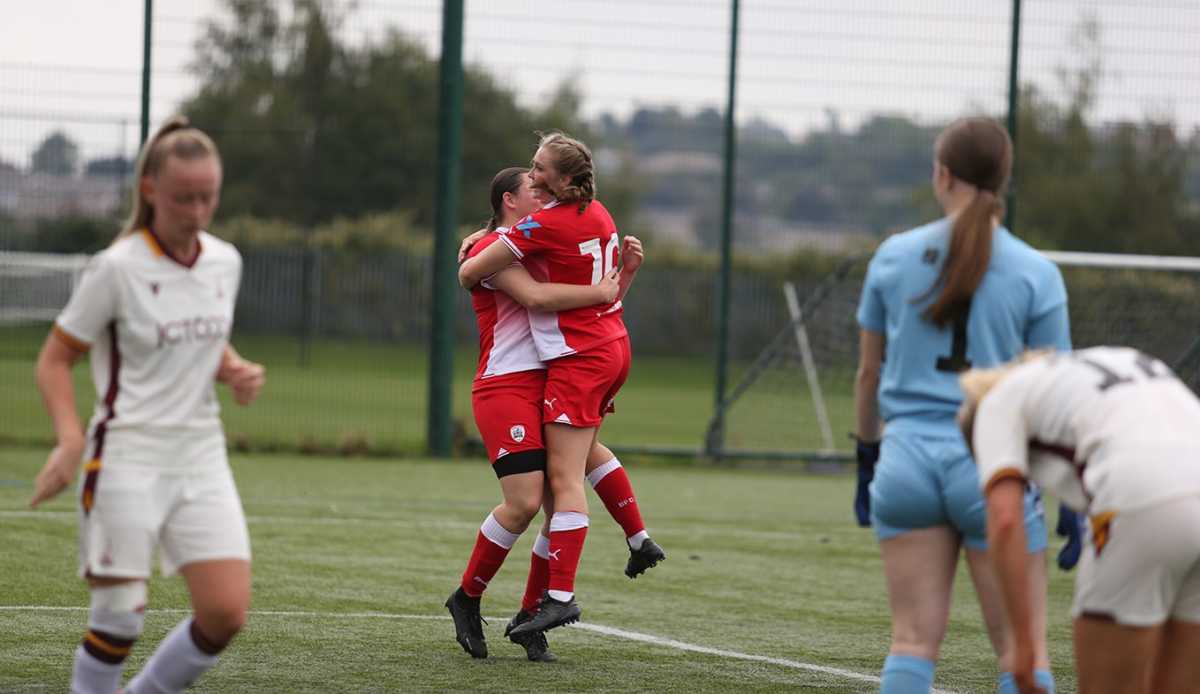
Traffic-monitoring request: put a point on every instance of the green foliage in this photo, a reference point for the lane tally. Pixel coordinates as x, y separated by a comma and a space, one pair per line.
372, 231
73, 234
1084, 185
312, 128
1118, 188
57, 155
247, 232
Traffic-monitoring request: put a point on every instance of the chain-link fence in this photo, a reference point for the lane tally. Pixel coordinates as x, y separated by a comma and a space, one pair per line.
326, 113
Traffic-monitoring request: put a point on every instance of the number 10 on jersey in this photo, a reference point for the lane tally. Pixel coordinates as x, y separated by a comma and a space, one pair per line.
603, 261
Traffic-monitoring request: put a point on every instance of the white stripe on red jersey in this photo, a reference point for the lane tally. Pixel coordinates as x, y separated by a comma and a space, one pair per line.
558, 243
505, 341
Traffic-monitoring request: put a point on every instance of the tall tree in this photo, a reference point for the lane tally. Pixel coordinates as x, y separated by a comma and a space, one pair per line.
313, 128
1099, 187
57, 155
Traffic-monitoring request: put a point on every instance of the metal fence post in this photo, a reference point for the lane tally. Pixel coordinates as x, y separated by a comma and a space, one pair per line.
1014, 93
716, 438
307, 296
445, 284
147, 24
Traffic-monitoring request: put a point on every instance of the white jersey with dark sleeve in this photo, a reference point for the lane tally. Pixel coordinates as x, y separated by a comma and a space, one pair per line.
1104, 429
156, 330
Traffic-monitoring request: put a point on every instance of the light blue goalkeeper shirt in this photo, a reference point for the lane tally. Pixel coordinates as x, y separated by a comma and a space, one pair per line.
1021, 303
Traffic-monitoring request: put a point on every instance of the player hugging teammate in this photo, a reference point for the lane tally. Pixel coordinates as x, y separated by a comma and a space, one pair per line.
553, 354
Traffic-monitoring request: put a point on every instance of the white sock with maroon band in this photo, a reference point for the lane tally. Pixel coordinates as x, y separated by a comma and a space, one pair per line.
177, 662
115, 621
92, 676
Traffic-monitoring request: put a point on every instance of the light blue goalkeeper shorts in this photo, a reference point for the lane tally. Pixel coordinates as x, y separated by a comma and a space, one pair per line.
925, 480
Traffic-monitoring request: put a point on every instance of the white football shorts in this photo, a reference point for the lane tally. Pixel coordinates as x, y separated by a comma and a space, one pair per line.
171, 492
1148, 571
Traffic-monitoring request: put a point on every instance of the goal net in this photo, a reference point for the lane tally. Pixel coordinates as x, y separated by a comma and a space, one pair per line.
795, 399
34, 287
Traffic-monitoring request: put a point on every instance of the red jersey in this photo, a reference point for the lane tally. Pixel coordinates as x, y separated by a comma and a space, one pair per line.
505, 342
558, 243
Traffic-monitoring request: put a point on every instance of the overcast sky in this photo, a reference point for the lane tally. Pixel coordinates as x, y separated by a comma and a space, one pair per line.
75, 64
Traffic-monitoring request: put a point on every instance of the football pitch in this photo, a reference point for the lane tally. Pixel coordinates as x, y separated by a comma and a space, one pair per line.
769, 586
355, 395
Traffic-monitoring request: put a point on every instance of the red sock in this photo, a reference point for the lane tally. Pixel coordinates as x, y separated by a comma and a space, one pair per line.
539, 574
568, 529
616, 491
491, 547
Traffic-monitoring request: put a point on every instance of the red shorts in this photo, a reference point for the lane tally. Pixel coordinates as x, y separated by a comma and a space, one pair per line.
508, 412
580, 388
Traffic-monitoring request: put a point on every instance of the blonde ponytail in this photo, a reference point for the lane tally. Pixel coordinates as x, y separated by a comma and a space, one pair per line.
176, 138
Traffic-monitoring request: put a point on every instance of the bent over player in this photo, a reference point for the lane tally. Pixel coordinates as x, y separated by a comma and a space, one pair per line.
155, 310
1116, 436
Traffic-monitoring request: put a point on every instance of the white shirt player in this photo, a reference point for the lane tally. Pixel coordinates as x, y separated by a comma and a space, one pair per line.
156, 330
1106, 429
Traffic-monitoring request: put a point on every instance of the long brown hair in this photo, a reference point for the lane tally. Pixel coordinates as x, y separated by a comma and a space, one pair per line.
573, 159
507, 181
979, 152
176, 138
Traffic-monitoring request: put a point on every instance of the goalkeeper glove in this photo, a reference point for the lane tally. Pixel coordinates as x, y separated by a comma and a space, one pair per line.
1070, 526
867, 454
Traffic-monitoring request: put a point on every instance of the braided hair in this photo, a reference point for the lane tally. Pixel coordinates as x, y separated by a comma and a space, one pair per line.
573, 159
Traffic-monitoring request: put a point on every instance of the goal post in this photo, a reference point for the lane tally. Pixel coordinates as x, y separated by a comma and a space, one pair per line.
810, 366
799, 389
34, 287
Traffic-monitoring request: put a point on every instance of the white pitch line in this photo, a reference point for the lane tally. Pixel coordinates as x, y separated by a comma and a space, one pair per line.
594, 628
70, 516
66, 516
253, 613
692, 648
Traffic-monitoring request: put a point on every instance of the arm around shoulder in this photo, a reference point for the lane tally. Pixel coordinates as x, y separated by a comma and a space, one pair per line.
490, 260
517, 283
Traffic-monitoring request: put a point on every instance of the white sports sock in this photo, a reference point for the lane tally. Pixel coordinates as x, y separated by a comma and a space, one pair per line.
498, 534
90, 676
541, 546
176, 663
635, 542
602, 471
560, 595
567, 520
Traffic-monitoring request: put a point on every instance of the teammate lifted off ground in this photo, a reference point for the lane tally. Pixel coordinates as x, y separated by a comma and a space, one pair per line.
573, 240
508, 399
